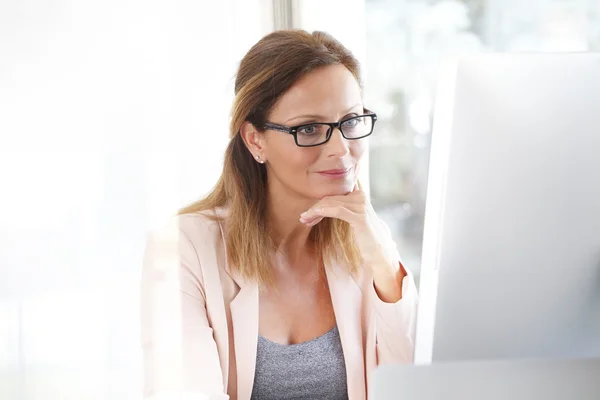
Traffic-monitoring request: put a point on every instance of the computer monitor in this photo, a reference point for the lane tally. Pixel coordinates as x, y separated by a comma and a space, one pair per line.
511, 250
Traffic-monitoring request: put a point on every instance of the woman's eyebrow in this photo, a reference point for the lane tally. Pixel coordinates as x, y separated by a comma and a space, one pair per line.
319, 117
305, 116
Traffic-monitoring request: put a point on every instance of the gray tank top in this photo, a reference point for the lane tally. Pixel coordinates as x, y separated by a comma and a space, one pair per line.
310, 370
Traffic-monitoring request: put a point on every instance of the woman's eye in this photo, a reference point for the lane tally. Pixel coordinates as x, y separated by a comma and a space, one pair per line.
351, 123
307, 130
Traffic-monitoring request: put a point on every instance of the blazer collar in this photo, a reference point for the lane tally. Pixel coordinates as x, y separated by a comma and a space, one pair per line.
221, 212
244, 320
346, 298
244, 317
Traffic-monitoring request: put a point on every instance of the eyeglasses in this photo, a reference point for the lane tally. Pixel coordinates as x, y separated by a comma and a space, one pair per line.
318, 133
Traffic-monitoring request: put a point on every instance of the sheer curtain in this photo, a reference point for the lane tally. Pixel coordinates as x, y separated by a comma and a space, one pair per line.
112, 115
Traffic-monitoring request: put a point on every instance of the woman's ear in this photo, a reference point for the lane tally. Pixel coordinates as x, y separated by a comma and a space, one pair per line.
254, 141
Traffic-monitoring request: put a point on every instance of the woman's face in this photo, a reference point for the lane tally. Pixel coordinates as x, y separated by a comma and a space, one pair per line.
327, 94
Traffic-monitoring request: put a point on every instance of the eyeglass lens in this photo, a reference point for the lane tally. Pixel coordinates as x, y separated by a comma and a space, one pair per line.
353, 128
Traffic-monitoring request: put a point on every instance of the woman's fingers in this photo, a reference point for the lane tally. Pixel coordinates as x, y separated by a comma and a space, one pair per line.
311, 222
346, 207
328, 211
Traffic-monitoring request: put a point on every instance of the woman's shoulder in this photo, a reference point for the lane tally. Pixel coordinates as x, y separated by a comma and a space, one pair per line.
201, 227
193, 241
197, 229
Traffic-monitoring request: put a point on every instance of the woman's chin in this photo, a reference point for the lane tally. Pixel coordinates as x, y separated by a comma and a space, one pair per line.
338, 189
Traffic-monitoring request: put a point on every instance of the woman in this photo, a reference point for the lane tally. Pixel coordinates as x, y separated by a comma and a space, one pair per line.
282, 282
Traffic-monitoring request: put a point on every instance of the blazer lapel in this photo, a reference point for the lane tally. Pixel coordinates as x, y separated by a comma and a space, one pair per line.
244, 317
346, 298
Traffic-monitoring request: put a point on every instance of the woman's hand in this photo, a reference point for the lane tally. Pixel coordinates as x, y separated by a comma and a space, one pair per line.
356, 209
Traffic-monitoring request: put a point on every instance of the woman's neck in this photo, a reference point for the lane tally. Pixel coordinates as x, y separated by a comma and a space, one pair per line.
290, 236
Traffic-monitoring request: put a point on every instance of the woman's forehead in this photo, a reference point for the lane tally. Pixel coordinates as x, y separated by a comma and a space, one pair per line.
324, 92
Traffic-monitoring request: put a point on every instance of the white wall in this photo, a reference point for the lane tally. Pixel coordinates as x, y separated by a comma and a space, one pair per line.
112, 115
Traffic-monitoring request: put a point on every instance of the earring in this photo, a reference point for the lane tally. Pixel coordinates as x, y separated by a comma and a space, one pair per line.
259, 160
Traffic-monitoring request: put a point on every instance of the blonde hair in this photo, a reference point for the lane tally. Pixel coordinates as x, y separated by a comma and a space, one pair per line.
265, 73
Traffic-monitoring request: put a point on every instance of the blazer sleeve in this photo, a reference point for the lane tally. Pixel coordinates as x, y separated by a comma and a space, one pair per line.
395, 323
180, 356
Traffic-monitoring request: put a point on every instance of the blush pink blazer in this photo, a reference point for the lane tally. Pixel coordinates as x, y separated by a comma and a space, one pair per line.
199, 318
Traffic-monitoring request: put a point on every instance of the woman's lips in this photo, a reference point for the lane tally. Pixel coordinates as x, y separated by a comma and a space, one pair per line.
335, 173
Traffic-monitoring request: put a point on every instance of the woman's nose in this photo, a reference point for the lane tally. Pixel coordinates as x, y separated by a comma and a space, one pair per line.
337, 145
